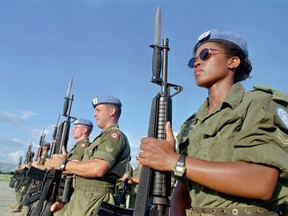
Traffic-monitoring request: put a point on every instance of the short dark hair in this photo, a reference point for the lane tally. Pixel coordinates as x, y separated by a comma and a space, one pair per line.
117, 108
245, 66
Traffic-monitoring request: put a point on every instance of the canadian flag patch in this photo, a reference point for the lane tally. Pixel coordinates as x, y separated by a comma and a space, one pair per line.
114, 135
83, 145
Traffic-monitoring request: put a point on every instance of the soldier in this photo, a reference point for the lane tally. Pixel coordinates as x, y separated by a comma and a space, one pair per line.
134, 180
123, 186
39, 163
104, 161
81, 132
35, 185
24, 182
232, 157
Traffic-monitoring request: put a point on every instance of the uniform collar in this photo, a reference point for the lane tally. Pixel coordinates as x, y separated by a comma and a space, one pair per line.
232, 100
110, 127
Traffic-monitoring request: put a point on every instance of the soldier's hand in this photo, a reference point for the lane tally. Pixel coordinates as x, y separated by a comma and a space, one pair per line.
35, 163
55, 161
159, 154
57, 206
64, 150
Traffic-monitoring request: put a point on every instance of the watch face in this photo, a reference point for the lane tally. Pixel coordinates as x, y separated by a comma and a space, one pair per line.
179, 167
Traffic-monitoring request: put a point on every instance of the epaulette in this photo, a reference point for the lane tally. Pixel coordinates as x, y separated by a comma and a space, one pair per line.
276, 94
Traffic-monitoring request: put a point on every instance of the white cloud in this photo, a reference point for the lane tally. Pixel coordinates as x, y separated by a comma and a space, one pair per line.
15, 156
14, 119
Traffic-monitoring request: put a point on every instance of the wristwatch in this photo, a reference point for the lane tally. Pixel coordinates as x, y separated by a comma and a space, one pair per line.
180, 167
63, 165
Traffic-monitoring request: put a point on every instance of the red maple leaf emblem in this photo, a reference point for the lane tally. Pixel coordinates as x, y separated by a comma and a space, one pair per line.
114, 135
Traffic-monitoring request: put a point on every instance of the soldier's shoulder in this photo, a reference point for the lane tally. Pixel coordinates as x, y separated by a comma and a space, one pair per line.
275, 94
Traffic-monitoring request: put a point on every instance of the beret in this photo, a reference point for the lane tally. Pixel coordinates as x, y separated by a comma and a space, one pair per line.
229, 37
45, 144
106, 99
81, 121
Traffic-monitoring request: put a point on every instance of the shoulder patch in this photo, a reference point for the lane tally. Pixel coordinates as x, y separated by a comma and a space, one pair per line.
283, 115
114, 135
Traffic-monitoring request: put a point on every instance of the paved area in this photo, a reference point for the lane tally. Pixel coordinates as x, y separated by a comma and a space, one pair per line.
7, 198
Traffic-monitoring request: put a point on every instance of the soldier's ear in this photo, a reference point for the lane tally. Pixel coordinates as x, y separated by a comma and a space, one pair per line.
233, 62
112, 111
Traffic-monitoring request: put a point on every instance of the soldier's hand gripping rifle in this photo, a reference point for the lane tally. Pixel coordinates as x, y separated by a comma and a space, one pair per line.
154, 187
52, 179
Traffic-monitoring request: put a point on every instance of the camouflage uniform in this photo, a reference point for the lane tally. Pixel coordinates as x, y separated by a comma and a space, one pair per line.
112, 146
248, 126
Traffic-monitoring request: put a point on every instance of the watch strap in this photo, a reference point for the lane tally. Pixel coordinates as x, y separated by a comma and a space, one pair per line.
182, 159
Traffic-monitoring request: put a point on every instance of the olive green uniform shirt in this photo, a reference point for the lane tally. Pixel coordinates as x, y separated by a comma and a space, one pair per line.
77, 151
245, 127
134, 186
112, 146
136, 174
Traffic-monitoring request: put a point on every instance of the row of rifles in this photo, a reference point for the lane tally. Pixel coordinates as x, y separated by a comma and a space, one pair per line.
41, 188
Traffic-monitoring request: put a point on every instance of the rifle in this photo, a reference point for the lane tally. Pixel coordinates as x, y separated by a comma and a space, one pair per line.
154, 187
156, 198
52, 177
24, 179
124, 187
38, 175
41, 141
29, 154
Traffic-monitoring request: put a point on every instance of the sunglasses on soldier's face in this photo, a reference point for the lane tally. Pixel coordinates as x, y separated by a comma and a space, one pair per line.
204, 55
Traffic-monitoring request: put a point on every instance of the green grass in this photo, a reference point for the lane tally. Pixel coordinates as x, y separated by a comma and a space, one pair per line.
5, 178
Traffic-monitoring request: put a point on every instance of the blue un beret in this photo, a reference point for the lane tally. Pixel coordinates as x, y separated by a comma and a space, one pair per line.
229, 37
86, 122
45, 144
106, 99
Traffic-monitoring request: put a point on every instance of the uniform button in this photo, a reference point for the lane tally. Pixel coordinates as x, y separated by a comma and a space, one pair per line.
223, 211
260, 211
247, 212
234, 211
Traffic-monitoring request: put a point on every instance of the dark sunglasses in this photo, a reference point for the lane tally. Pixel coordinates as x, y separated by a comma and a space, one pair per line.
204, 55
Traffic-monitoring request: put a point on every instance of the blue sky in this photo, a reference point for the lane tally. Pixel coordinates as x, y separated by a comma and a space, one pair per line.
104, 47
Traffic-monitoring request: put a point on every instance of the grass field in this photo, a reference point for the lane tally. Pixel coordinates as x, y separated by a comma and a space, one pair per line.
5, 178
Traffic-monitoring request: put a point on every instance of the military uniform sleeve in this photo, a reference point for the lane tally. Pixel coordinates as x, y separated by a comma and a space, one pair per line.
263, 137
110, 147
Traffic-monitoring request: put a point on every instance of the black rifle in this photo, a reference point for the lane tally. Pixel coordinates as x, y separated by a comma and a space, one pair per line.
154, 187
41, 142
34, 192
52, 177
24, 179
124, 187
